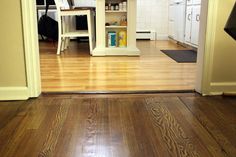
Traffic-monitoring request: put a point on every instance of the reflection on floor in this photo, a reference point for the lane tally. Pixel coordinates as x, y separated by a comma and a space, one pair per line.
76, 70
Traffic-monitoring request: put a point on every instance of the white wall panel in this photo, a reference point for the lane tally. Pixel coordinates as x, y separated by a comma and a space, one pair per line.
153, 15
85, 3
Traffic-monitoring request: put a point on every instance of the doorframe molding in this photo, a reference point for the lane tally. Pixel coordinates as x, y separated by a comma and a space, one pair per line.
31, 47
29, 17
210, 30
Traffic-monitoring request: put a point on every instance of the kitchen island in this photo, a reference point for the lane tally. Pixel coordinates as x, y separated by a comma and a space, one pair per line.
116, 28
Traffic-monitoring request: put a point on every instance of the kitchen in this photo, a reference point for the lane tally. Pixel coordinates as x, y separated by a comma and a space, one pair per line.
173, 25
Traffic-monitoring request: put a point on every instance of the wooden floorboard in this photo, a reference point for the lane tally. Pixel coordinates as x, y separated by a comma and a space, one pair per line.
161, 125
218, 116
76, 70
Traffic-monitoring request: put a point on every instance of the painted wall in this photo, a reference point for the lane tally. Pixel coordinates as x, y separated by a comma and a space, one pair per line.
153, 15
12, 65
224, 62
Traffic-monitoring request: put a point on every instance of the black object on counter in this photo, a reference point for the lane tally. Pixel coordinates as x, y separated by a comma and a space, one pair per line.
47, 26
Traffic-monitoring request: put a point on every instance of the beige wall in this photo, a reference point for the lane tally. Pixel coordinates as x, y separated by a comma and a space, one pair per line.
224, 62
12, 65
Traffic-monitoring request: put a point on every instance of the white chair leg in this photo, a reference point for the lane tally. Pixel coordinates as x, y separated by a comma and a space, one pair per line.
67, 27
93, 28
90, 32
59, 45
64, 29
67, 42
63, 44
59, 37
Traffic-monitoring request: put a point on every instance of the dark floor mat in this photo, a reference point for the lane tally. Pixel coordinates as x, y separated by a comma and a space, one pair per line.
182, 56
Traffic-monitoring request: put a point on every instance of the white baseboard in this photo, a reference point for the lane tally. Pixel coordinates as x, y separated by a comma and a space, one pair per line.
219, 88
14, 93
162, 37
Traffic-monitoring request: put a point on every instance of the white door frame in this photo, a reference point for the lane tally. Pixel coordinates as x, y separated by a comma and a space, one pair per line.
205, 57
206, 47
31, 46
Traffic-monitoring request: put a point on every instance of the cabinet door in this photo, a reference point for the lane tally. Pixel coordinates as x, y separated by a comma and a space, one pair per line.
195, 24
171, 29
188, 25
171, 21
171, 13
179, 22
189, 2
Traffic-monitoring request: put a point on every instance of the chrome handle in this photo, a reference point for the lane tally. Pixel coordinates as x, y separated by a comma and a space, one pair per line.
189, 17
197, 17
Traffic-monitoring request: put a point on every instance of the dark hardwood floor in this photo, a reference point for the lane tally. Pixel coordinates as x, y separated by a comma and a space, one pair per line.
157, 125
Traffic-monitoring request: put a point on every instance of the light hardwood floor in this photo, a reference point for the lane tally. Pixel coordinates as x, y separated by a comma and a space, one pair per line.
76, 70
183, 125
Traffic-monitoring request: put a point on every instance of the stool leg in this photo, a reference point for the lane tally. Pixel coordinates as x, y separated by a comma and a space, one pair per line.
67, 42
59, 36
59, 45
64, 29
93, 28
68, 28
90, 32
63, 44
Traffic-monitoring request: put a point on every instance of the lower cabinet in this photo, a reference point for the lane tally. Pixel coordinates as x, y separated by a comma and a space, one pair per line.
192, 24
177, 21
171, 21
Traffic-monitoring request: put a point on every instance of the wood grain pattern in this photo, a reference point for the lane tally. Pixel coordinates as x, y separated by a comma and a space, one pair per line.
218, 119
171, 131
57, 123
183, 125
76, 70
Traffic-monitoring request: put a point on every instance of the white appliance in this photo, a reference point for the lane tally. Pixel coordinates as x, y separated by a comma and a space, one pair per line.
177, 10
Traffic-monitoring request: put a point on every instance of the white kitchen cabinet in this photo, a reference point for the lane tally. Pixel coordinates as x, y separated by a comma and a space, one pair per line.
171, 21
171, 29
171, 13
189, 2
188, 26
192, 24
195, 24
177, 20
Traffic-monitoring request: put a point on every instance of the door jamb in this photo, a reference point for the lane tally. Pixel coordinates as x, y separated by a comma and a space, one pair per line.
31, 47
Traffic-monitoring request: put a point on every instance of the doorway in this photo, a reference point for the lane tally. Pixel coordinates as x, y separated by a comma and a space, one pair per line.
98, 63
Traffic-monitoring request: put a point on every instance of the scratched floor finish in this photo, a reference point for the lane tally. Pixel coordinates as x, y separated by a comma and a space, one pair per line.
184, 125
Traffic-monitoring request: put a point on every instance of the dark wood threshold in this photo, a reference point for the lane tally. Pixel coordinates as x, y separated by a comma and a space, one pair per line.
123, 92
108, 94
